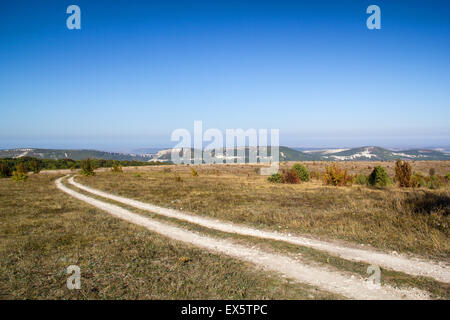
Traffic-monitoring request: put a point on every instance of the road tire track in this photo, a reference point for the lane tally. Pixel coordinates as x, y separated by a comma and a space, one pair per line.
351, 286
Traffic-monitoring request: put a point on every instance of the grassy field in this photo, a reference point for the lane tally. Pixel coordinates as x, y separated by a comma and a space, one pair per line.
42, 231
405, 220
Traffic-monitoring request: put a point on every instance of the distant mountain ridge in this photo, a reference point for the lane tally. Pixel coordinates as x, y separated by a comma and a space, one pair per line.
76, 154
368, 153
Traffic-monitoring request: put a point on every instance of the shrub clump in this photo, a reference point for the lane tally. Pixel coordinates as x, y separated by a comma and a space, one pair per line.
379, 177
336, 176
434, 182
87, 168
275, 178
5, 171
301, 171
361, 179
403, 173
116, 167
290, 176
418, 180
20, 174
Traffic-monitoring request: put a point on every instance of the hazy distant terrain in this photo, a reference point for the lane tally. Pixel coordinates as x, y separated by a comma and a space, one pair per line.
70, 154
286, 154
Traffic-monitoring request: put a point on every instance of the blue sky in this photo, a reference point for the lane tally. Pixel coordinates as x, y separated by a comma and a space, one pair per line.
137, 70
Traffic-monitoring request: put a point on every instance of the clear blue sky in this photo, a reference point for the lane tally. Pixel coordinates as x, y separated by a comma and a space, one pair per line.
139, 69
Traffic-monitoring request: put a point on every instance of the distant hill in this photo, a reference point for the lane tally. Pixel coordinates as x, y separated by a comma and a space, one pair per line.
370, 153
354, 154
378, 154
70, 154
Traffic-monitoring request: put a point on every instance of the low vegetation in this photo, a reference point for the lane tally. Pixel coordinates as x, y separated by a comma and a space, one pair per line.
87, 168
400, 219
35, 165
403, 173
116, 167
19, 174
336, 176
379, 177
301, 172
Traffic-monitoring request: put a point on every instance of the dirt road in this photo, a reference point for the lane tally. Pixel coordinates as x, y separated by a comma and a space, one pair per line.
410, 265
351, 286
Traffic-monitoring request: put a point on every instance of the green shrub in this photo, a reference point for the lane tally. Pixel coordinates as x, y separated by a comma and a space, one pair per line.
431, 172
448, 176
20, 173
116, 167
403, 173
301, 171
5, 171
87, 167
434, 182
275, 178
336, 176
379, 177
418, 180
290, 176
361, 179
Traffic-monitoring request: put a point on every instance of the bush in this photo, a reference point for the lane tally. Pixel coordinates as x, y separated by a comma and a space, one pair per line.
448, 176
290, 176
116, 167
418, 180
301, 171
379, 177
361, 179
87, 168
20, 173
336, 176
403, 173
431, 172
275, 178
5, 171
434, 182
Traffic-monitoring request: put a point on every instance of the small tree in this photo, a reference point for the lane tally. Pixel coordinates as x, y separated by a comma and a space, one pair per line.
379, 177
301, 171
20, 174
87, 168
403, 173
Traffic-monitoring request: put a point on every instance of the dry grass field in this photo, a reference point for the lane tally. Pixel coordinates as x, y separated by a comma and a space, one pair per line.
43, 231
405, 220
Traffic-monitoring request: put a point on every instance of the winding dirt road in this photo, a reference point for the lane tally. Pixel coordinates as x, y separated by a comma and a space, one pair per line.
348, 285
412, 266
